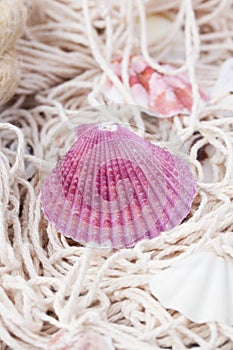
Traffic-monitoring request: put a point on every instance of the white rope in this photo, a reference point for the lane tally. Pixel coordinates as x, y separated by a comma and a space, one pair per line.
49, 283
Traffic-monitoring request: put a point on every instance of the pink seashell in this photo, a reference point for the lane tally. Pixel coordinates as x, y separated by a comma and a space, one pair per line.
86, 340
162, 95
114, 188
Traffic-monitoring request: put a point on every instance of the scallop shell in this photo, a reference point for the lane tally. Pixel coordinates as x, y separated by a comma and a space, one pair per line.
157, 26
200, 287
114, 188
87, 340
224, 83
160, 95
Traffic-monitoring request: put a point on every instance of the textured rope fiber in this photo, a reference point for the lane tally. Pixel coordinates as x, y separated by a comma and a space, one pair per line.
12, 22
48, 282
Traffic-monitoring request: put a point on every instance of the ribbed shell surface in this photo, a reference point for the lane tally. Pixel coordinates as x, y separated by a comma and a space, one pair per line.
114, 188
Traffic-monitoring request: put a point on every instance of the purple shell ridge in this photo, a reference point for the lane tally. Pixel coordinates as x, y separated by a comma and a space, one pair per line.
114, 188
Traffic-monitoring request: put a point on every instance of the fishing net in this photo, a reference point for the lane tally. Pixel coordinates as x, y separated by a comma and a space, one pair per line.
49, 282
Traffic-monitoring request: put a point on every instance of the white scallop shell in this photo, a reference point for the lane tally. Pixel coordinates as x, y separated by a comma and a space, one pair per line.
224, 83
157, 26
200, 287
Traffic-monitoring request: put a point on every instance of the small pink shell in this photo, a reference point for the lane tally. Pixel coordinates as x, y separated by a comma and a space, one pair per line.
114, 188
86, 340
162, 95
